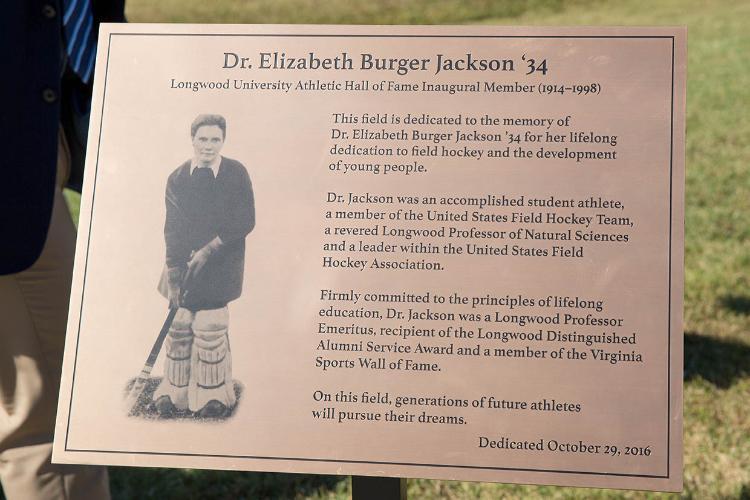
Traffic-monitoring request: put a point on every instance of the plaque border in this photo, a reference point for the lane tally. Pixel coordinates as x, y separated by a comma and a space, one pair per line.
67, 449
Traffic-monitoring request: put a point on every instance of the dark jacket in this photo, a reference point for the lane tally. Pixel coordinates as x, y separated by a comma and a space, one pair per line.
36, 98
198, 212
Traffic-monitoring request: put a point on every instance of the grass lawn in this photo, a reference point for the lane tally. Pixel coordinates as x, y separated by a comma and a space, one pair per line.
717, 286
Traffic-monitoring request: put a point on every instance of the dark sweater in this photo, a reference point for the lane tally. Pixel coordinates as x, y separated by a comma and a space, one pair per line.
197, 212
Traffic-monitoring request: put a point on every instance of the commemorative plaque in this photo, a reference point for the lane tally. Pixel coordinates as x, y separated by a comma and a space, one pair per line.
443, 252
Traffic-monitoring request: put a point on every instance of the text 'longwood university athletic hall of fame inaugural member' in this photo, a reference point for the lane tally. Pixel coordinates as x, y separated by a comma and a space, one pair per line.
209, 212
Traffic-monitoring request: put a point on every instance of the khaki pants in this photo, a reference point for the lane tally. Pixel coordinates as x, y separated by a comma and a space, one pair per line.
33, 315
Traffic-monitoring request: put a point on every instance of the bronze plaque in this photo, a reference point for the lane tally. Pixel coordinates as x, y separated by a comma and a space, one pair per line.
443, 252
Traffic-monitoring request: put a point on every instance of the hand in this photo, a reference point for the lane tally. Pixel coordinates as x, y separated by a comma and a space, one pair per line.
174, 286
173, 294
199, 258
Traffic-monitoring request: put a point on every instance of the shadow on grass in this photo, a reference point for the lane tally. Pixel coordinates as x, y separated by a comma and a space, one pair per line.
167, 484
721, 362
738, 304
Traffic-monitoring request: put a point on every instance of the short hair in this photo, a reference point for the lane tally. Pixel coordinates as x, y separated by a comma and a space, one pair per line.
202, 120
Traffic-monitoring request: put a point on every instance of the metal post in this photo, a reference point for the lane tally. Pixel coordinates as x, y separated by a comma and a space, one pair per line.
378, 488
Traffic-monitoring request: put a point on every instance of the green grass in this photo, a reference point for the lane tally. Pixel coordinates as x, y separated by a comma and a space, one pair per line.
717, 281
338, 11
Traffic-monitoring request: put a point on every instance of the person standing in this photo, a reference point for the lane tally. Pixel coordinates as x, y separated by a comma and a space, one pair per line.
48, 48
209, 212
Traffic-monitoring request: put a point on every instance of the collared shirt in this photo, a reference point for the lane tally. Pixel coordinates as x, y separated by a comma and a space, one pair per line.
214, 165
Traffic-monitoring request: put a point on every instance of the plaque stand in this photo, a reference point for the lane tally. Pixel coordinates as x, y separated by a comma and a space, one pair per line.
378, 488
